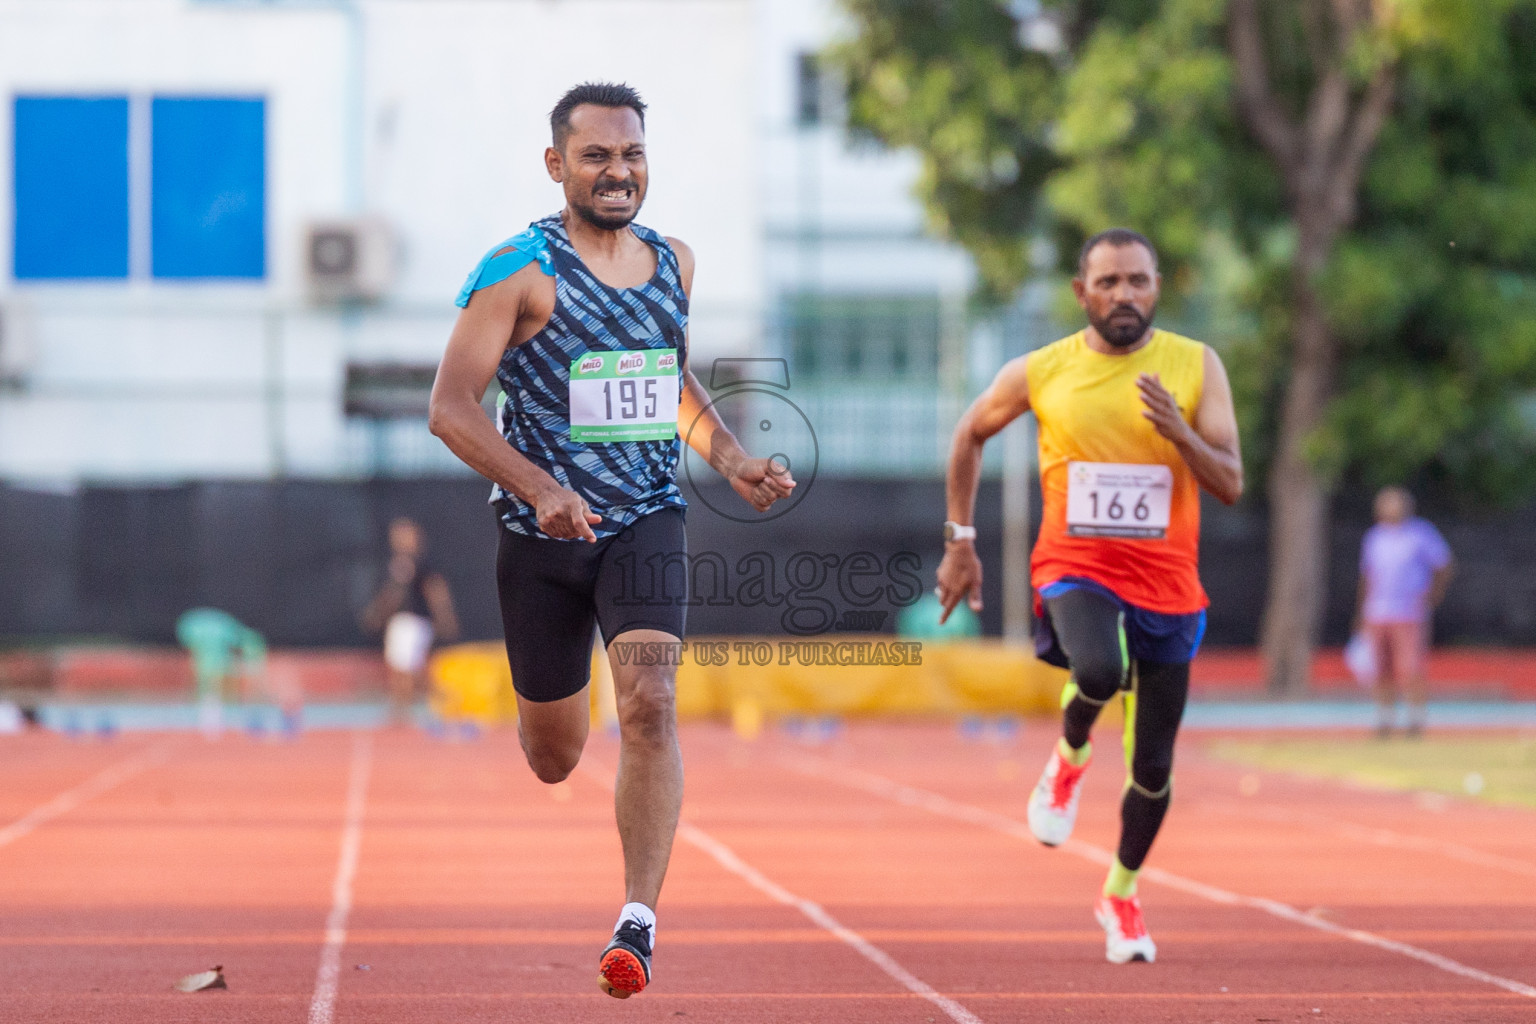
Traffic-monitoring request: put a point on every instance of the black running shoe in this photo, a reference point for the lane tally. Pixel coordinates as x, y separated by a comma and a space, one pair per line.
626, 964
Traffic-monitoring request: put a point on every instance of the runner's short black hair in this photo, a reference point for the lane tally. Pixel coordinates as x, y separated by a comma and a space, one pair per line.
601, 94
1116, 237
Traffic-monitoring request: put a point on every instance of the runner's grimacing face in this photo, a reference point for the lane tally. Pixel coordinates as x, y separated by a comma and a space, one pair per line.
1119, 291
602, 167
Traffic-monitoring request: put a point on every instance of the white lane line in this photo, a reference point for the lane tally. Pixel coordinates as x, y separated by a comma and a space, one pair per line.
104, 780
728, 859
911, 796
328, 978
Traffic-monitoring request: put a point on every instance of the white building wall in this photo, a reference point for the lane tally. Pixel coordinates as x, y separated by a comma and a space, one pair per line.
429, 113
843, 223
459, 99
432, 115
155, 379
841, 216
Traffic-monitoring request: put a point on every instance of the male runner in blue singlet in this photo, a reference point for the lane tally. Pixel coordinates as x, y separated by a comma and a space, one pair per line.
583, 320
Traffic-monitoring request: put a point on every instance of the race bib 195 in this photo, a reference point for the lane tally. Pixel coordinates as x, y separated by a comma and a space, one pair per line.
624, 396
1112, 499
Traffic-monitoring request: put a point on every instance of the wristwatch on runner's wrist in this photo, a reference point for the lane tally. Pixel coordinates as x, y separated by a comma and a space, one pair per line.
954, 531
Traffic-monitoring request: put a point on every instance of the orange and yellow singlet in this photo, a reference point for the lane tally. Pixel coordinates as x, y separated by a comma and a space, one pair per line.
1121, 507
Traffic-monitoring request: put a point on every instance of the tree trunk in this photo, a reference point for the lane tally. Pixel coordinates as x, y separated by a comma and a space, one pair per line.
1298, 529
1321, 155
1298, 500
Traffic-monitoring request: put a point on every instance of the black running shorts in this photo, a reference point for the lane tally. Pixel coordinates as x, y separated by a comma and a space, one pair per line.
553, 591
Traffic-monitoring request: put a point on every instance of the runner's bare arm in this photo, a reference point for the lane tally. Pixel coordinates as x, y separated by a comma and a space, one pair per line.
445, 619
760, 481
383, 605
1210, 446
1439, 582
701, 427
1003, 402
480, 338
1359, 617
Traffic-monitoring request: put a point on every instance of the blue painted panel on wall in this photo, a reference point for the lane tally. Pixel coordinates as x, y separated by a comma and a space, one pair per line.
208, 202
70, 186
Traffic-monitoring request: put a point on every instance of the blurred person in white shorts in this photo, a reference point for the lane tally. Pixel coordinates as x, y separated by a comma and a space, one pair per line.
1405, 567
413, 607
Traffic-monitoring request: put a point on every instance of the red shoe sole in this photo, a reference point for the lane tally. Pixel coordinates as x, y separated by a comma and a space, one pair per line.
620, 974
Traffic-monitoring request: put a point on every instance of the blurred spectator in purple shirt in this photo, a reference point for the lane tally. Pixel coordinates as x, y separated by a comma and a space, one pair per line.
1405, 566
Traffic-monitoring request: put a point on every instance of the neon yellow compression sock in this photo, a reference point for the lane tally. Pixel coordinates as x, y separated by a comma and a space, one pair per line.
1076, 758
1121, 881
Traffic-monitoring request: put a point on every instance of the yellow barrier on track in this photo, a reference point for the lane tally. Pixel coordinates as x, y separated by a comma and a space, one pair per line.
472, 681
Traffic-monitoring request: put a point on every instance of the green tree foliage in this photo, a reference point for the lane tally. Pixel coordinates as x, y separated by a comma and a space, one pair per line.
1432, 292
944, 79
1345, 188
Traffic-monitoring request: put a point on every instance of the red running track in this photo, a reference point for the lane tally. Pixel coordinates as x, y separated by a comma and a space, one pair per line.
883, 876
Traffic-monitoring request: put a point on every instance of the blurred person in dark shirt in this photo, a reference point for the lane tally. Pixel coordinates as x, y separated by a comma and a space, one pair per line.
413, 608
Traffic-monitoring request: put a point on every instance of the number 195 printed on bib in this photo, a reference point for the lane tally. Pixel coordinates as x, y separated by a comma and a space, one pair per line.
624, 396
1125, 500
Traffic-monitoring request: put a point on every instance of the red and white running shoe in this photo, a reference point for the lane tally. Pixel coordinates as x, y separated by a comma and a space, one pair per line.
625, 967
1125, 933
1053, 804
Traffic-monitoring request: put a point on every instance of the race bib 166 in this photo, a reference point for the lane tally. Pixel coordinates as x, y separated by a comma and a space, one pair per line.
1112, 499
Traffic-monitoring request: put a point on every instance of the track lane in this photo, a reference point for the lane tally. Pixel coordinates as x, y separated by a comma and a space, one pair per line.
844, 771
731, 861
117, 771
143, 884
322, 1004
463, 844
481, 894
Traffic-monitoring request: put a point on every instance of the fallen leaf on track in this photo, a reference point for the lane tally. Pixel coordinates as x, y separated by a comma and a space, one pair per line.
202, 981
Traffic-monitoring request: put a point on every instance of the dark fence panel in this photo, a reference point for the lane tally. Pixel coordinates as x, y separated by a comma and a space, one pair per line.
299, 559
295, 559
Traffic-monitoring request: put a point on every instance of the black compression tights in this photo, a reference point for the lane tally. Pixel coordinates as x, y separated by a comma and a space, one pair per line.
1090, 631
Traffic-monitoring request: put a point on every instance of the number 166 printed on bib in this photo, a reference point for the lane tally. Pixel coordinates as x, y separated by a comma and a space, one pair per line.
1126, 500
624, 396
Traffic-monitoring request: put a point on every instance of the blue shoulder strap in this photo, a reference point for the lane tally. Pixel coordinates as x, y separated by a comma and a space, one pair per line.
522, 249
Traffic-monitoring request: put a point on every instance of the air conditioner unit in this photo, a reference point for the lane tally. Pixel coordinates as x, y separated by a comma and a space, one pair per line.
348, 261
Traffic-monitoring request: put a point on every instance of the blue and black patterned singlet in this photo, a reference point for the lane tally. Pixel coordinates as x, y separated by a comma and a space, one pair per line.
622, 481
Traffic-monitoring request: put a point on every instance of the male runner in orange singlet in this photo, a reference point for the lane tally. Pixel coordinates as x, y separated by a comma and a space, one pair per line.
1133, 422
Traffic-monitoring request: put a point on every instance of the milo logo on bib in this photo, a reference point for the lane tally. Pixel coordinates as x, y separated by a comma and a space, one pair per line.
624, 396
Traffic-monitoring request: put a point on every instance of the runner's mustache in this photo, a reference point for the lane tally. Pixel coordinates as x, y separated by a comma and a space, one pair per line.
608, 186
